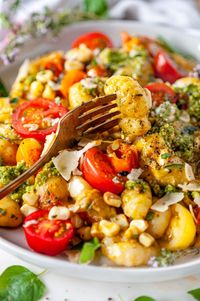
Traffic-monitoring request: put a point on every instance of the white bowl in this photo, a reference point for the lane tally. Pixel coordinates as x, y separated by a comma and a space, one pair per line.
13, 241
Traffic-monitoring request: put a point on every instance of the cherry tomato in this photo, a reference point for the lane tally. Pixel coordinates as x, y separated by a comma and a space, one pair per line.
124, 158
160, 92
35, 118
165, 68
70, 78
50, 237
98, 172
29, 151
54, 62
93, 40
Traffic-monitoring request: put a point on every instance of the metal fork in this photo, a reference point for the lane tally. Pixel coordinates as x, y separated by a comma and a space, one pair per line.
90, 118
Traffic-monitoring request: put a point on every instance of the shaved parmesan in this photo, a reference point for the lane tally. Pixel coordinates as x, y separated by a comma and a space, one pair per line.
197, 200
189, 172
31, 222
168, 199
135, 174
49, 140
67, 161
193, 186
23, 71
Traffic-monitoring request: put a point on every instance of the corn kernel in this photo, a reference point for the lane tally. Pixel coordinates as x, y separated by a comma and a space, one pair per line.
109, 228
138, 226
73, 65
17, 90
77, 221
95, 231
36, 88
59, 212
146, 239
48, 93
30, 198
44, 76
82, 54
112, 199
85, 233
121, 220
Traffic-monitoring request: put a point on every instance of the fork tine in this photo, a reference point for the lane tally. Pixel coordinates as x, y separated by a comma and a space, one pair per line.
95, 112
103, 127
96, 121
99, 101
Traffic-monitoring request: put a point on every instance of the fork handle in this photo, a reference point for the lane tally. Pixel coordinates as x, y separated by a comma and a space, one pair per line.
23, 177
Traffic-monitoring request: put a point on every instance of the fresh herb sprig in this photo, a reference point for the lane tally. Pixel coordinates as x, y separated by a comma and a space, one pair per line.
47, 21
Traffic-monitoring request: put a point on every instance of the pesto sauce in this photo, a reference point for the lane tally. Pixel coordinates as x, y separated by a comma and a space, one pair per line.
9, 173
47, 172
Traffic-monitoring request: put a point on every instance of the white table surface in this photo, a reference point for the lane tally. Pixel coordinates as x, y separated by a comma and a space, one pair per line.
62, 288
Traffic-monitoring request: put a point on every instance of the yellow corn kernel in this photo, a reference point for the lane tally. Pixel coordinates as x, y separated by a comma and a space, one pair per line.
36, 88
109, 228
73, 65
95, 231
121, 220
146, 239
48, 92
17, 90
112, 199
138, 226
44, 76
30, 198
77, 221
85, 233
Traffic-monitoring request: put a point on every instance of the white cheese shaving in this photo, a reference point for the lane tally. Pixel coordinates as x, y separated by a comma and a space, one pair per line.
23, 71
168, 199
192, 212
31, 127
135, 174
193, 186
185, 117
67, 161
197, 200
189, 172
49, 140
29, 223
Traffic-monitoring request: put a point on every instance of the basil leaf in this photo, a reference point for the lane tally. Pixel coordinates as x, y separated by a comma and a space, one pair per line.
3, 90
195, 293
165, 156
88, 251
18, 283
144, 298
97, 7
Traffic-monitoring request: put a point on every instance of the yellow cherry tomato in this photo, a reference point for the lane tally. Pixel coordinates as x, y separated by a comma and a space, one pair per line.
181, 231
29, 151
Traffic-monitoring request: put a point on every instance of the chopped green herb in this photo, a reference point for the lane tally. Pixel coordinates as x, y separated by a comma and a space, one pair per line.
195, 293
88, 251
172, 166
144, 298
2, 211
18, 283
150, 216
165, 156
14, 100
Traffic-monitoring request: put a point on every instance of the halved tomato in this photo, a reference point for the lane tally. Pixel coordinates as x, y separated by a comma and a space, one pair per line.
37, 118
50, 237
161, 92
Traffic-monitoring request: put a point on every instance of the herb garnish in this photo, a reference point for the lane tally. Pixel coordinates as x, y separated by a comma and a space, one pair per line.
18, 283
195, 293
165, 156
144, 298
3, 90
88, 251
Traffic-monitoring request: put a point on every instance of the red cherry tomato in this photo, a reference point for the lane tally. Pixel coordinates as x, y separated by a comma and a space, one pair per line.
39, 113
93, 40
160, 92
165, 68
124, 158
49, 237
98, 172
